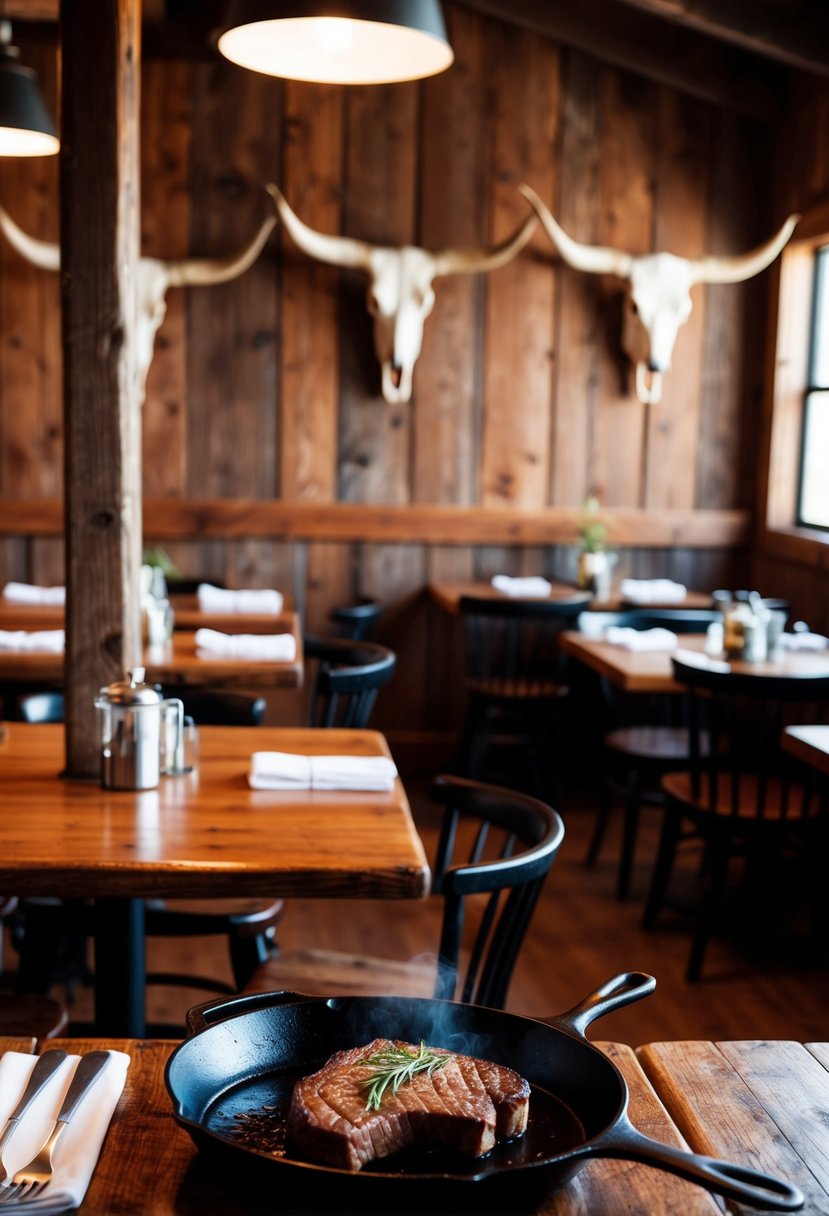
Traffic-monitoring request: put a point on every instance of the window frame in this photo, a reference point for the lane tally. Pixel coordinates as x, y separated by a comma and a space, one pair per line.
787, 379
819, 314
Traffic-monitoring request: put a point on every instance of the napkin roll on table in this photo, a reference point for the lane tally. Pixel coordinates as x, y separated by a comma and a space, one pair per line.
640, 639
652, 591
271, 647
218, 599
26, 593
79, 1146
51, 640
288, 771
531, 587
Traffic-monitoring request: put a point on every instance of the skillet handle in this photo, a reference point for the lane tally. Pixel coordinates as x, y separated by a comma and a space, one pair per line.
622, 990
727, 1178
200, 1017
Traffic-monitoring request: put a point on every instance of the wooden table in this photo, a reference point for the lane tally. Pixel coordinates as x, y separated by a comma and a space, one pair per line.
760, 1104
204, 835
188, 616
810, 744
652, 671
448, 596
176, 663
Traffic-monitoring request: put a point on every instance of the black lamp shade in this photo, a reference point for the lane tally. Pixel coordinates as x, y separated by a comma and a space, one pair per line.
337, 41
25, 126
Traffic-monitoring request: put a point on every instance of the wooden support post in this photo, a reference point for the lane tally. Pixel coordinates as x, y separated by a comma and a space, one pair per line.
99, 178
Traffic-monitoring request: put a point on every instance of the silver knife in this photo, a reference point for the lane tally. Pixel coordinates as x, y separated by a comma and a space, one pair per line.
89, 1069
45, 1068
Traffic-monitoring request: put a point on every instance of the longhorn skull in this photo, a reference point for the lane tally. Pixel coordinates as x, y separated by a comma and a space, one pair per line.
153, 279
400, 294
659, 289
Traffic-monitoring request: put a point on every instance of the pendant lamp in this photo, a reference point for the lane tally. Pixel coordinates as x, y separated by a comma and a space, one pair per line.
337, 41
25, 126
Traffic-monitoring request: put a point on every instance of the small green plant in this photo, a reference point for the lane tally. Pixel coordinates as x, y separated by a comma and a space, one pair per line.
161, 561
592, 528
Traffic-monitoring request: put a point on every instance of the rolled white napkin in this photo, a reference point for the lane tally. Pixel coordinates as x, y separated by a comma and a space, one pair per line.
52, 640
288, 771
271, 647
532, 587
27, 593
652, 591
640, 639
79, 1146
217, 599
803, 641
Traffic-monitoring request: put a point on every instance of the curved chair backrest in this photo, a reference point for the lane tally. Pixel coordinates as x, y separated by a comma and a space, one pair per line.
356, 621
507, 855
348, 677
516, 639
678, 620
40, 707
209, 708
744, 715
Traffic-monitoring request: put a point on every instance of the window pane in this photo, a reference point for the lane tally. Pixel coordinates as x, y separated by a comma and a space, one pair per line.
814, 485
820, 333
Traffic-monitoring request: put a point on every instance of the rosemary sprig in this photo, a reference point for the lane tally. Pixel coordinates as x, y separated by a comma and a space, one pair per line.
394, 1066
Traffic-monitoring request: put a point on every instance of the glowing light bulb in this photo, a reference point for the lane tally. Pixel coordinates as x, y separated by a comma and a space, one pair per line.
334, 34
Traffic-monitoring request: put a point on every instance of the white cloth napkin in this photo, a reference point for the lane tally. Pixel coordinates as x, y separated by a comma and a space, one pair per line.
26, 593
53, 640
77, 1151
652, 591
272, 647
288, 771
217, 599
803, 641
640, 639
532, 587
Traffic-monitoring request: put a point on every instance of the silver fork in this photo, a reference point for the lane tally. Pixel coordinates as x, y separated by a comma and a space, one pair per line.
34, 1177
44, 1068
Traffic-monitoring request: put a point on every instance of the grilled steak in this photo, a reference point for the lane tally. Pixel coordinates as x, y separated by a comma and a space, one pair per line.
466, 1105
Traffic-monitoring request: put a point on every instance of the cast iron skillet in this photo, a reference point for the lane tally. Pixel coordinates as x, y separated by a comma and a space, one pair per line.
231, 1081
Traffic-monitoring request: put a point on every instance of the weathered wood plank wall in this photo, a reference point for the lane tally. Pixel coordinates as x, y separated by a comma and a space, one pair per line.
268, 387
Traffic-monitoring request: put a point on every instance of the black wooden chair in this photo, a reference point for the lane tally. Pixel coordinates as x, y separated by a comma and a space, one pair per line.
514, 682
356, 621
647, 738
52, 936
496, 844
345, 677
743, 796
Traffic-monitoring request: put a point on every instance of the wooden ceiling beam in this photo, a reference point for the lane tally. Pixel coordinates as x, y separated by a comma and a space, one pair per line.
798, 38
659, 50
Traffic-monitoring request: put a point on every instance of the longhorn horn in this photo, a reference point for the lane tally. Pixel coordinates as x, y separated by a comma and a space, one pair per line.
201, 272
742, 266
45, 254
475, 261
343, 251
594, 259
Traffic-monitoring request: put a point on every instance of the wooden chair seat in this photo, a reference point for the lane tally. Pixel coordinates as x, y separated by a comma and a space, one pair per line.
679, 787
519, 689
248, 916
661, 744
335, 973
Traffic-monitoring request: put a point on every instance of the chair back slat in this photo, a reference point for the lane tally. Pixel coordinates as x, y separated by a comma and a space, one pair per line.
500, 844
347, 678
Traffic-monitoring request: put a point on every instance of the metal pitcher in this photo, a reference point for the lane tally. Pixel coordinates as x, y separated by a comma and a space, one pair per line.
135, 721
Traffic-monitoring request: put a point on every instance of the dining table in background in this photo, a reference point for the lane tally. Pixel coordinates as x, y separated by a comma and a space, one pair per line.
201, 835
756, 1103
187, 615
651, 671
448, 597
178, 661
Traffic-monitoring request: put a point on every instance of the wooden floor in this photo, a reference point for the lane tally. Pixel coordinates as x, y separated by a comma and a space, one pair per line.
581, 936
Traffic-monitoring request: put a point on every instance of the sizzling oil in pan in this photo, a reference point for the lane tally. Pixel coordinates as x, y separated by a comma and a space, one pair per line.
253, 1115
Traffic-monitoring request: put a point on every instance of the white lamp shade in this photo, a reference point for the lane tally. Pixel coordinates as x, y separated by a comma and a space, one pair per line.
350, 42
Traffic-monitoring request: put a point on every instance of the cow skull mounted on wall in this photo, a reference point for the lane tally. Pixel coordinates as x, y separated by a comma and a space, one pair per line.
154, 278
659, 287
400, 293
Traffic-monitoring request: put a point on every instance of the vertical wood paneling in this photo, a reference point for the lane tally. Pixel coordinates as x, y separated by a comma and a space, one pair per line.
578, 198
166, 211
680, 228
626, 221
523, 123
